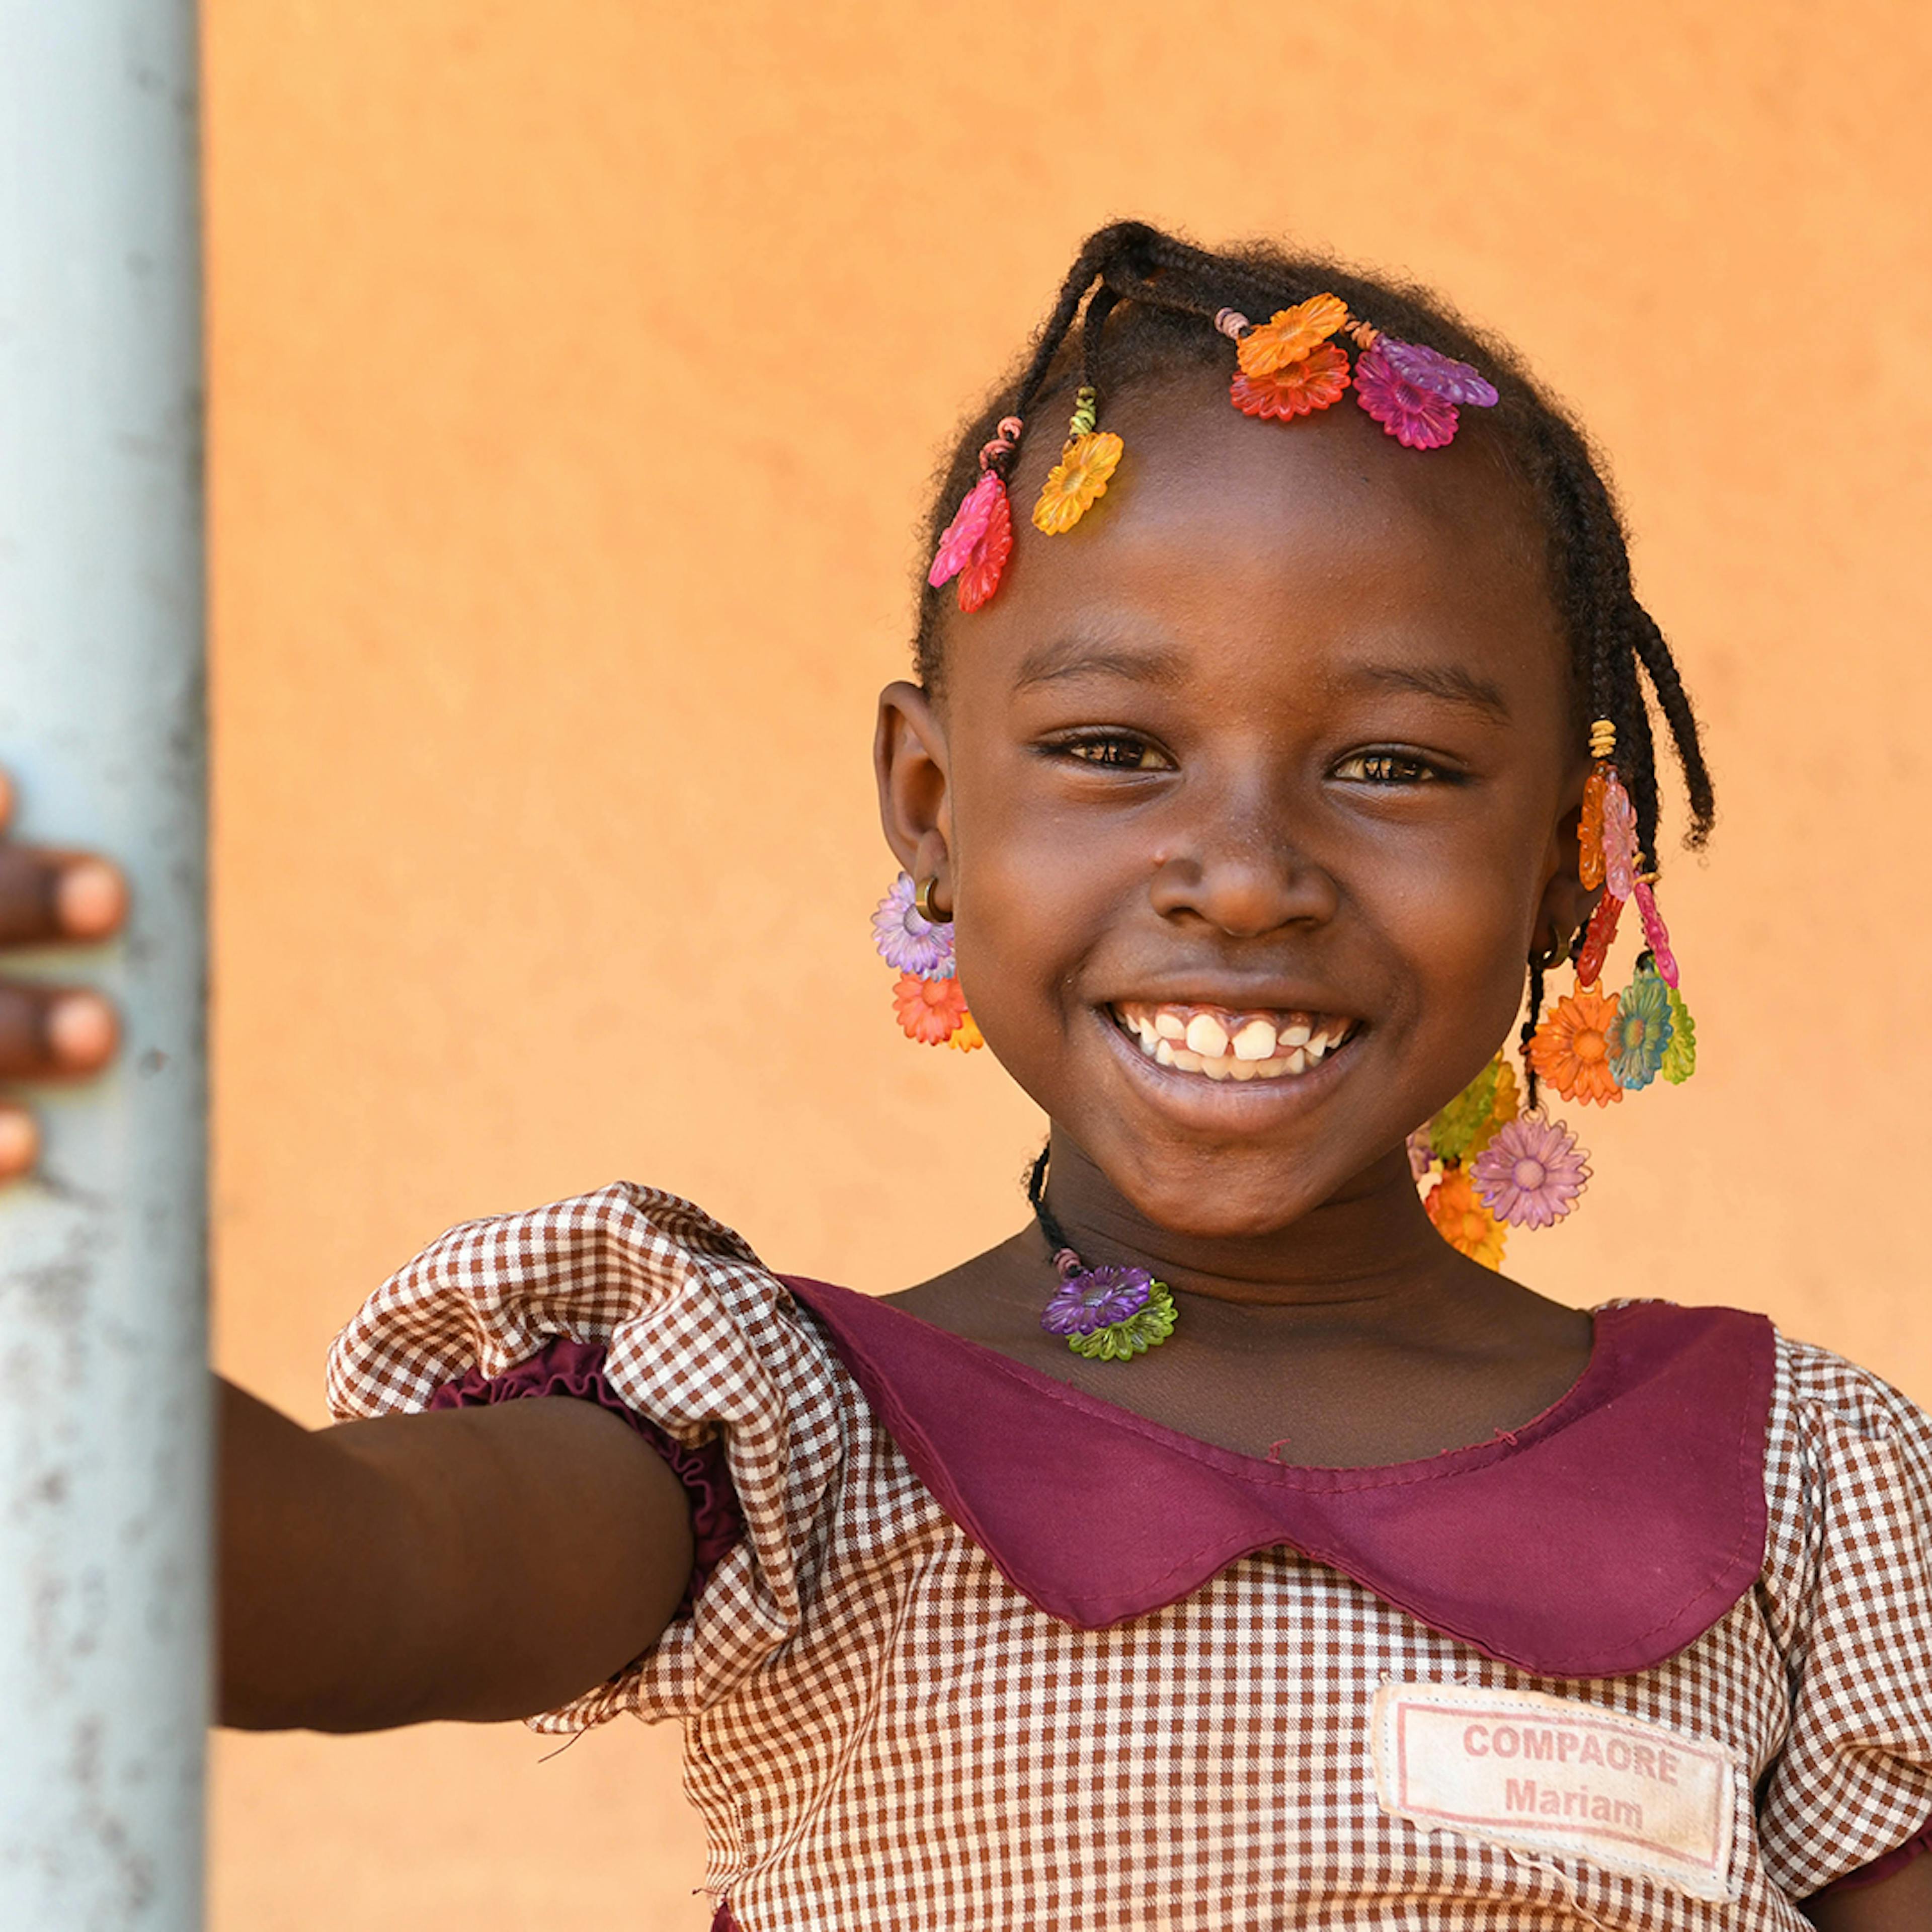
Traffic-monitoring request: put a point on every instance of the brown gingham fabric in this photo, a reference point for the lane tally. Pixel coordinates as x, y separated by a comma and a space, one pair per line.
880, 1732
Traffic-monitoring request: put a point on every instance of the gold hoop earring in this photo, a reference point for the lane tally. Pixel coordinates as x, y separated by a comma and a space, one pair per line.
921, 900
1560, 946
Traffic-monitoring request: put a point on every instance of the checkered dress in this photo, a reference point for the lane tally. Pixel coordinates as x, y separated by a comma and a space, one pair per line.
881, 1732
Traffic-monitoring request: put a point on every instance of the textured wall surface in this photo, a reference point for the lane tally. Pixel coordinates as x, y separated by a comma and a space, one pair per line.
576, 373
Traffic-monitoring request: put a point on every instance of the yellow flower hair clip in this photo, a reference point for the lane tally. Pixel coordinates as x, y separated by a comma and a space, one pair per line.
1079, 479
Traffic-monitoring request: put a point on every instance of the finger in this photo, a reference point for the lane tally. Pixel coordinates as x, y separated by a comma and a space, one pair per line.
19, 1142
50, 1033
48, 895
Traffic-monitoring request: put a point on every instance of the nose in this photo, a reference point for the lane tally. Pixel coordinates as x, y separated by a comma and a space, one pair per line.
1243, 871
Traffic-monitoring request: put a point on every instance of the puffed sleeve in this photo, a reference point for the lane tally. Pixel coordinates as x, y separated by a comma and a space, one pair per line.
1854, 1780
699, 1339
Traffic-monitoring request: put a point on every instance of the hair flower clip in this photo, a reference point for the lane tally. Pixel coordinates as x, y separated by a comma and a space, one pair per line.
1620, 847
977, 544
1464, 1126
1571, 1049
1656, 934
1680, 1057
974, 547
1598, 936
1590, 830
1463, 1219
1639, 1035
1418, 417
1290, 334
1080, 477
1295, 389
1531, 1172
1423, 368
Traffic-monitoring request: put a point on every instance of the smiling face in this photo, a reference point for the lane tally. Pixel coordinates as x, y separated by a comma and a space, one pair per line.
1250, 797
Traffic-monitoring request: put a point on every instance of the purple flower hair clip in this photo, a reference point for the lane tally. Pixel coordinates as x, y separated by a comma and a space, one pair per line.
1423, 368
1418, 418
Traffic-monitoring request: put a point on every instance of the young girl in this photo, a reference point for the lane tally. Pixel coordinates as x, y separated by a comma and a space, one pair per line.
1229, 1547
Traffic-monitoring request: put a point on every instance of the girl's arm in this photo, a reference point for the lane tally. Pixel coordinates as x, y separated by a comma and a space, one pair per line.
478, 1564
1902, 1903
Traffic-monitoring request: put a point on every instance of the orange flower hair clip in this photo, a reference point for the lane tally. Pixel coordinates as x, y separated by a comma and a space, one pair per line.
1291, 365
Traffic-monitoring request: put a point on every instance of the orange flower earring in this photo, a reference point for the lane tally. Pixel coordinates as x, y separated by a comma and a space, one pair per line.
916, 942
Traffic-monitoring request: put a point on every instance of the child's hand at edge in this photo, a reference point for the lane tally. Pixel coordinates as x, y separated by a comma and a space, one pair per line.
475, 1564
47, 897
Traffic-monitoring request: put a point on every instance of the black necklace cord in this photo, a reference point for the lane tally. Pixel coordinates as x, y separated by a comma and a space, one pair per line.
1057, 1242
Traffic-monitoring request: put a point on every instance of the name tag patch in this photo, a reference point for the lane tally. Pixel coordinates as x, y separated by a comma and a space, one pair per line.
1546, 1774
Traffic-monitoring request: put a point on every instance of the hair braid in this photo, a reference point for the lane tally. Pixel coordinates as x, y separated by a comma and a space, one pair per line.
1154, 310
1092, 331
1674, 701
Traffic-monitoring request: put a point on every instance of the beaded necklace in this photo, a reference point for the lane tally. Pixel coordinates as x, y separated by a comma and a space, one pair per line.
1107, 1314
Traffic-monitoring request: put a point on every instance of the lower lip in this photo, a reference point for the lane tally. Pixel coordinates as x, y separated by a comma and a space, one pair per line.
1175, 1084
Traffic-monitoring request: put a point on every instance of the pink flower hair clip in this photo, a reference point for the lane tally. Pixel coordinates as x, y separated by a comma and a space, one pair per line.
1296, 363
974, 547
1293, 363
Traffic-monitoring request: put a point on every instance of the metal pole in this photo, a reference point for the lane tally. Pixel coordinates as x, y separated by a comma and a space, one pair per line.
103, 1431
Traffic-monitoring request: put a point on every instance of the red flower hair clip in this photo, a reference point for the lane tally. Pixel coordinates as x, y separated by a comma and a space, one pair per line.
1292, 365
974, 547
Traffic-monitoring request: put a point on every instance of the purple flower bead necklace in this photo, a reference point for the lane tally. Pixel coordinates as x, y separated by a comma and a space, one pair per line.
1107, 1314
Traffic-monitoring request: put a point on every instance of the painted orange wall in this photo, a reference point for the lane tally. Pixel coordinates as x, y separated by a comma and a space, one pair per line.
577, 371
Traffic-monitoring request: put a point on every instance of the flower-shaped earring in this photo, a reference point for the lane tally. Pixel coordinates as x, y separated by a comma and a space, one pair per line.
916, 943
1500, 1167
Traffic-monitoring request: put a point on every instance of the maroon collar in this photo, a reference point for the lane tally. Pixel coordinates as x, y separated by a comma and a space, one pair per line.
1598, 1539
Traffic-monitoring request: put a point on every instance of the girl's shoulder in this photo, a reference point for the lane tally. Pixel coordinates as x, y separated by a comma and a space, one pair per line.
691, 1334
1824, 1391
696, 1331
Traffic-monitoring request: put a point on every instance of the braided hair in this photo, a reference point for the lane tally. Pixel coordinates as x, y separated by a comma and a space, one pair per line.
1144, 303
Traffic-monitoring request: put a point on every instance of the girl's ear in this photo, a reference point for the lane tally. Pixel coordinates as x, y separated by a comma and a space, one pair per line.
915, 800
1567, 901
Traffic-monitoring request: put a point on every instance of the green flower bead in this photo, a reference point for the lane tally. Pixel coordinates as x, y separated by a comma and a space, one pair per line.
1121, 1341
1680, 1057
1454, 1130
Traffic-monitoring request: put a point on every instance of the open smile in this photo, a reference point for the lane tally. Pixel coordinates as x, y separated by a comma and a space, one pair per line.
1222, 1043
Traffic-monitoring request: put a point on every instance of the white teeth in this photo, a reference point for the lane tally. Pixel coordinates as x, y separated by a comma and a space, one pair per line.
1207, 1036
1225, 1046
1256, 1041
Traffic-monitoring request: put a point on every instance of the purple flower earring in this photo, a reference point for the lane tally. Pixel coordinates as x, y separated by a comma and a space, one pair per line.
916, 942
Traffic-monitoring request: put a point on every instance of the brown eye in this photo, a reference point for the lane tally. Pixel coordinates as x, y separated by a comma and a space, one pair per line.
1385, 768
1121, 753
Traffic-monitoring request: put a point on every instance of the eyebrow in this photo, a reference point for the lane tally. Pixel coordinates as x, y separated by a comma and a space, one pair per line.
1076, 657
1453, 683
